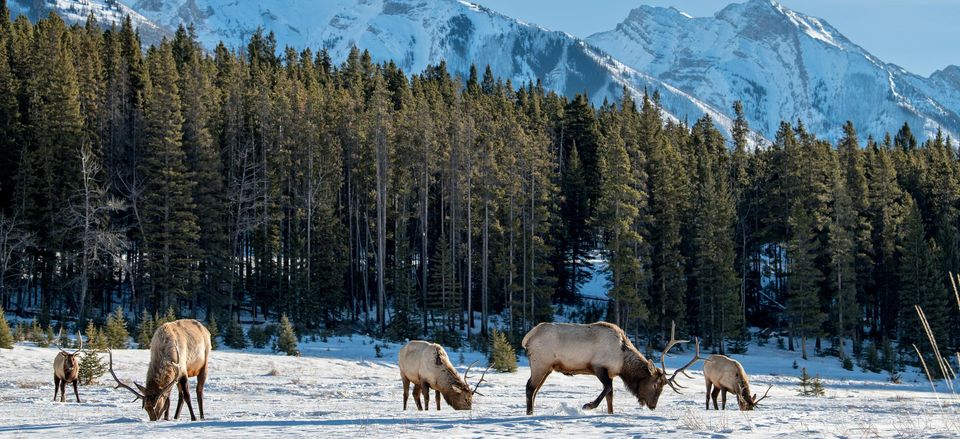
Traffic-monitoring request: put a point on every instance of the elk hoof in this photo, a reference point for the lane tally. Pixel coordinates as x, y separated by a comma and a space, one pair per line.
589, 406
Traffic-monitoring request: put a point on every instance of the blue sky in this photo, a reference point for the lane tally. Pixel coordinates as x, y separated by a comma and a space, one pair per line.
919, 35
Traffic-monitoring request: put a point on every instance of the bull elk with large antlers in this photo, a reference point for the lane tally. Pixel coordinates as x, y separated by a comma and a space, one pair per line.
724, 374
178, 350
66, 370
600, 349
427, 366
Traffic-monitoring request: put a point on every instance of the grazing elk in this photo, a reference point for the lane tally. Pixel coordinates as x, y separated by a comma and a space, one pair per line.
178, 350
427, 366
66, 370
600, 349
725, 374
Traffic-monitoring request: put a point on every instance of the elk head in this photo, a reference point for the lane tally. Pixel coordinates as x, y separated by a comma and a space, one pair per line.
71, 364
649, 391
751, 403
155, 399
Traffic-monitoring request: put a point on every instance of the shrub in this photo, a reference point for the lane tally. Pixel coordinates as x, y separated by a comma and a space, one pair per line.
116, 330
287, 340
503, 357
145, 331
847, 363
168, 317
234, 336
259, 337
96, 341
6, 337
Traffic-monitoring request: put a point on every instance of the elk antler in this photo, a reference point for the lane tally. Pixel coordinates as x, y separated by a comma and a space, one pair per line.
121, 383
60, 342
79, 337
757, 401
480, 381
466, 373
673, 342
696, 356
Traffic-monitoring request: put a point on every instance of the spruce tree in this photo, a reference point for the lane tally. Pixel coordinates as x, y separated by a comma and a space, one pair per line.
287, 339
803, 303
503, 358
116, 330
234, 337
145, 330
618, 212
6, 338
170, 229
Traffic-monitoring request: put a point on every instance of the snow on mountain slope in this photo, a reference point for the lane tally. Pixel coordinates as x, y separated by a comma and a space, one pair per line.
784, 65
107, 12
418, 33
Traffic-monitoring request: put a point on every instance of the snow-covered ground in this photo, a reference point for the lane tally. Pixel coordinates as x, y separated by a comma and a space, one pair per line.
340, 389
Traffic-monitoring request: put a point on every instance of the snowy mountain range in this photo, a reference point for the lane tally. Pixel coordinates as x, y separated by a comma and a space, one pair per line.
783, 64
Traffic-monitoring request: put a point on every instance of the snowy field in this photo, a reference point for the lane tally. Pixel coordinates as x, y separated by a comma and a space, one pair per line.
339, 389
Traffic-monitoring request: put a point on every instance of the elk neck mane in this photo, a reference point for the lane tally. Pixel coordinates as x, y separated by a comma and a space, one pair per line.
636, 368
744, 383
447, 375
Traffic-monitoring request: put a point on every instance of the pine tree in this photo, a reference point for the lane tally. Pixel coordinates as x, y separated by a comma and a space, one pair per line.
503, 358
92, 367
214, 333
287, 339
145, 330
170, 229
6, 338
618, 212
920, 283
234, 337
116, 330
803, 301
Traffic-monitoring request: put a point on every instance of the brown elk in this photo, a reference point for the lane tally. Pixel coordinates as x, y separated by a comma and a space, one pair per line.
600, 349
427, 366
724, 374
178, 350
66, 370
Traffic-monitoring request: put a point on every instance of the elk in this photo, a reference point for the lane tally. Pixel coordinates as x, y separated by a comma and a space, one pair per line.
725, 374
427, 366
600, 349
66, 370
178, 350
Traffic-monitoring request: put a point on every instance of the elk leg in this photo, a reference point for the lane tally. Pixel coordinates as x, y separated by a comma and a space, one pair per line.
75, 391
63, 390
607, 387
425, 389
723, 398
201, 379
416, 396
714, 394
438, 400
186, 396
610, 400
533, 387
176, 413
709, 385
406, 391
56, 387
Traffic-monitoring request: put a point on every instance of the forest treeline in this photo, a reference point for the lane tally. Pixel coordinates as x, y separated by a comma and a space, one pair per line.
246, 182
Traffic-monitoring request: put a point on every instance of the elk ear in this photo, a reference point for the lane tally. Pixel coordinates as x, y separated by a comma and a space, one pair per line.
457, 389
754, 397
143, 390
